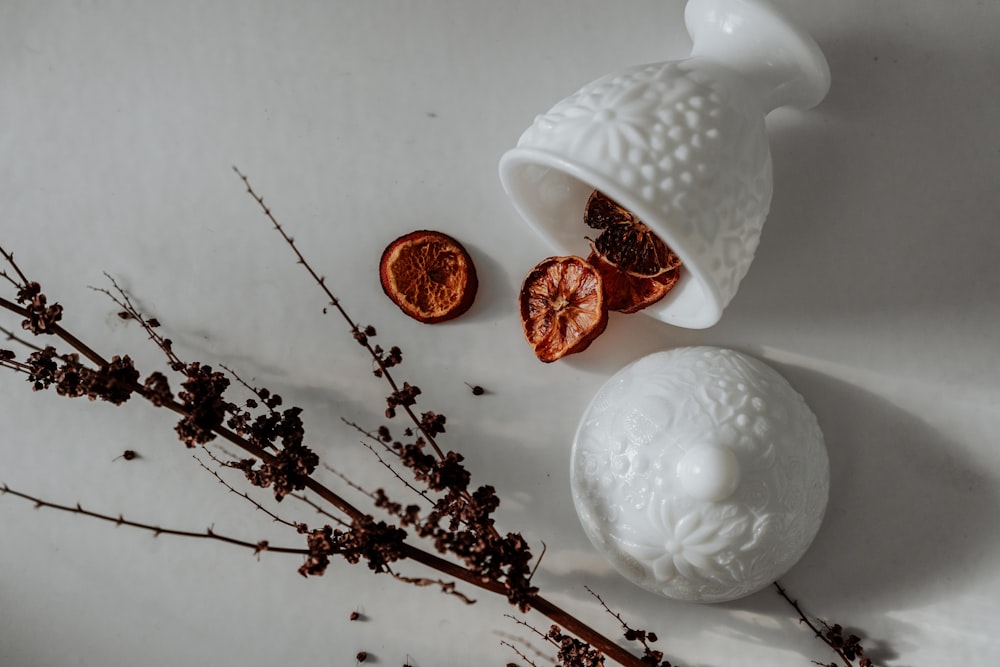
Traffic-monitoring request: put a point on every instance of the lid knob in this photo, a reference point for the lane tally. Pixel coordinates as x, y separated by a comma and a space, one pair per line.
709, 472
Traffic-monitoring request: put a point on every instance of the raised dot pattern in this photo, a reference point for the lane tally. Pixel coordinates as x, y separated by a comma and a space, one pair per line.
684, 146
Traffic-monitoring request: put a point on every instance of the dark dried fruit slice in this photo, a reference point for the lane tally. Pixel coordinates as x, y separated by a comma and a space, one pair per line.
603, 211
562, 307
429, 275
627, 293
626, 241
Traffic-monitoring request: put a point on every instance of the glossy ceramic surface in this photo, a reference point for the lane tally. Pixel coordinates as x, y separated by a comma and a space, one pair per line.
680, 144
700, 474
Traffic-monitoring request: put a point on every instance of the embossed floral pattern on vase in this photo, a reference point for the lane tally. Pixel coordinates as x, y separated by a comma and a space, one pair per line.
673, 138
638, 512
682, 144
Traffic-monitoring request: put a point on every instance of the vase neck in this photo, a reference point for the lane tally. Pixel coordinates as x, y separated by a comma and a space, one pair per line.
780, 63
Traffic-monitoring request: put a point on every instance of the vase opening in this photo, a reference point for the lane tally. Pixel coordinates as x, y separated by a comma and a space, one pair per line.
551, 194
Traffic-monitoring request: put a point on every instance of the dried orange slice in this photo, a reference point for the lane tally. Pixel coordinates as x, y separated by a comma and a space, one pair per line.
603, 211
627, 293
562, 307
429, 275
625, 240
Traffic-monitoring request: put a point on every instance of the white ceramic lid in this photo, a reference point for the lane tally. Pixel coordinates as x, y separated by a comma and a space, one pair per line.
700, 473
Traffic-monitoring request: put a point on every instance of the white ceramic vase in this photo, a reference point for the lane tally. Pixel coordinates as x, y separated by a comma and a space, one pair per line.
680, 144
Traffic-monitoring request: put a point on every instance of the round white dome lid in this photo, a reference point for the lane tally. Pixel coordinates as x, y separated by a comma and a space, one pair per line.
700, 474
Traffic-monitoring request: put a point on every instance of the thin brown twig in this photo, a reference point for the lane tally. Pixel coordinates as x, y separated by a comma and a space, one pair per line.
446, 587
9, 258
246, 385
319, 508
17, 339
538, 561
525, 646
335, 302
120, 520
388, 466
124, 302
805, 619
374, 438
241, 494
368, 434
349, 482
6, 276
641, 636
529, 626
608, 609
518, 652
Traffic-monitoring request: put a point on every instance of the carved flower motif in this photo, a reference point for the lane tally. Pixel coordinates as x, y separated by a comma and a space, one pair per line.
691, 544
610, 123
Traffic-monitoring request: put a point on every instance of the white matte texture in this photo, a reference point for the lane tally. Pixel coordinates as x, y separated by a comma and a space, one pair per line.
873, 291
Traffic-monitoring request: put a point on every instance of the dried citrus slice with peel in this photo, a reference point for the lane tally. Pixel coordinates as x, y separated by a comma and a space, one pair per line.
562, 307
429, 275
627, 293
625, 240
603, 211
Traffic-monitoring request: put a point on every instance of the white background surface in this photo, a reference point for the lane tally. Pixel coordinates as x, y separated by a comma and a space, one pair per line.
874, 292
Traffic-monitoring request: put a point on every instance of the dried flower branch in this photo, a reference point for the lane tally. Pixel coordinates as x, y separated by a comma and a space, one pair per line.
848, 648
571, 652
650, 656
459, 523
457, 519
518, 652
521, 646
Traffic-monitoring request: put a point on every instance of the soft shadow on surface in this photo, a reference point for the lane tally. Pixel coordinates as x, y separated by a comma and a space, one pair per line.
885, 203
910, 520
911, 516
495, 296
768, 620
885, 195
